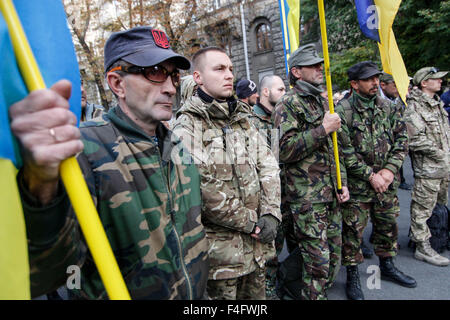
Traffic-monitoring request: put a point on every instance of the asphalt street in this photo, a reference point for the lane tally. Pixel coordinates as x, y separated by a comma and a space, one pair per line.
433, 283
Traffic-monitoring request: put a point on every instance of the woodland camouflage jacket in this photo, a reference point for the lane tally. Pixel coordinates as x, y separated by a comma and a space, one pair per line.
149, 206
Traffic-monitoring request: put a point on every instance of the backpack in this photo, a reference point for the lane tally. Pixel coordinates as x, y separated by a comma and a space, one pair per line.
438, 224
289, 277
439, 228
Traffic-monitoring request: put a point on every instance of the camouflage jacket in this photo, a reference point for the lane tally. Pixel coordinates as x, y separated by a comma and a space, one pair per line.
261, 119
429, 135
150, 208
239, 182
306, 151
378, 140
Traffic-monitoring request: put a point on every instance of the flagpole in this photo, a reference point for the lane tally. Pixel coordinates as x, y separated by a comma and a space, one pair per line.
323, 29
70, 170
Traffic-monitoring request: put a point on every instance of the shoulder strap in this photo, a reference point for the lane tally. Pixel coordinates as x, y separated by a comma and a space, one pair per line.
347, 110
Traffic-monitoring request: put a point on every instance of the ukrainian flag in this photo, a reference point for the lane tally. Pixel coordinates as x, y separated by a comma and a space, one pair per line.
46, 28
376, 18
290, 21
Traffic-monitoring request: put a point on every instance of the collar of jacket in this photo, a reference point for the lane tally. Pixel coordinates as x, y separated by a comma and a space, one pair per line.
231, 103
306, 88
261, 110
133, 131
419, 95
364, 101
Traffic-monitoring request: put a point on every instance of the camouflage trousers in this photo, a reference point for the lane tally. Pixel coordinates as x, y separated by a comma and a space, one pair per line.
426, 193
317, 229
248, 287
355, 216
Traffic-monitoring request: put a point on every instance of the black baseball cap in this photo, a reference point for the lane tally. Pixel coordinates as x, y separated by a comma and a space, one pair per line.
363, 70
245, 88
143, 47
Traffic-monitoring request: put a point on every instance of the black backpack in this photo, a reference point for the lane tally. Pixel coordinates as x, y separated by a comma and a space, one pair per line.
439, 228
289, 277
438, 224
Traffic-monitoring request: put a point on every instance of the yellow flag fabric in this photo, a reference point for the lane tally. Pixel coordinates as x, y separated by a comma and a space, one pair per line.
14, 266
391, 57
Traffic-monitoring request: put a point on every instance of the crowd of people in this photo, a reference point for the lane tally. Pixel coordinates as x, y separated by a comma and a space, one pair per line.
199, 205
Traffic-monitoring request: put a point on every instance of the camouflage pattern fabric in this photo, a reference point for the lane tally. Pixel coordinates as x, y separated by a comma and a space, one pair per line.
355, 216
248, 287
379, 140
429, 136
150, 208
239, 182
262, 121
306, 151
425, 195
309, 183
317, 228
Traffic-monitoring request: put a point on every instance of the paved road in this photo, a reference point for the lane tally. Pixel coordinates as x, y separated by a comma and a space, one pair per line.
433, 283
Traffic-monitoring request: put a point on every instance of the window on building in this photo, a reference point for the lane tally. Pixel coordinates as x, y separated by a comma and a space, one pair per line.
263, 37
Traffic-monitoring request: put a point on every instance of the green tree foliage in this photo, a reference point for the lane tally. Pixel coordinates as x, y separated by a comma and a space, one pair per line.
421, 29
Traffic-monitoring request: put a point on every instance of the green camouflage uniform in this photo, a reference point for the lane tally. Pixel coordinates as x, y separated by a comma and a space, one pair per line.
309, 185
429, 135
380, 141
239, 183
150, 208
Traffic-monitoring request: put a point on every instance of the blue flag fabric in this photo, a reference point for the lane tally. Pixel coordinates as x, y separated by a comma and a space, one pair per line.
46, 28
368, 18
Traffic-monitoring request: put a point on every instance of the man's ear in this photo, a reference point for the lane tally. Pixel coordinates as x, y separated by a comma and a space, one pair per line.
354, 84
297, 73
116, 84
197, 78
265, 92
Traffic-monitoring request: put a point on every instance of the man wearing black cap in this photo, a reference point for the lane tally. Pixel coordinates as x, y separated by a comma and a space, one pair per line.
309, 189
147, 199
380, 142
247, 92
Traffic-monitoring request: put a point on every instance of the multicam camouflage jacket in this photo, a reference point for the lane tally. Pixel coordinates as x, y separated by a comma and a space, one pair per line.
150, 208
239, 182
429, 136
378, 140
306, 151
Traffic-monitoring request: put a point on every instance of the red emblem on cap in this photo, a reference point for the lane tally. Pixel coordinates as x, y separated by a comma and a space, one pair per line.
160, 38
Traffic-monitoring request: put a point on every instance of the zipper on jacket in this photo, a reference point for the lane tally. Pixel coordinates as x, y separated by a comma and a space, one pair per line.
180, 250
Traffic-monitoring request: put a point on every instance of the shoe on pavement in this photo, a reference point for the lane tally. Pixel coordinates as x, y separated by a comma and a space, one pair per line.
425, 252
390, 272
353, 286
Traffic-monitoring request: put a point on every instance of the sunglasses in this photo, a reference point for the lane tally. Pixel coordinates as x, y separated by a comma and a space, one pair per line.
156, 74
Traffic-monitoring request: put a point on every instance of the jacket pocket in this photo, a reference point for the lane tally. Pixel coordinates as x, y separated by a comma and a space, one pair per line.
226, 248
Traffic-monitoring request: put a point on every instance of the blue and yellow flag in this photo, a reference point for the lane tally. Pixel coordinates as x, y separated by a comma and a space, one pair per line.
290, 21
376, 18
46, 28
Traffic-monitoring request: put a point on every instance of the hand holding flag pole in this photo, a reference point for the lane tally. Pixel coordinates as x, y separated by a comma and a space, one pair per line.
70, 170
323, 29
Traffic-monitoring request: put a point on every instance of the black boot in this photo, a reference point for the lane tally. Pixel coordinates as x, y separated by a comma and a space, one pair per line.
391, 273
366, 251
353, 286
